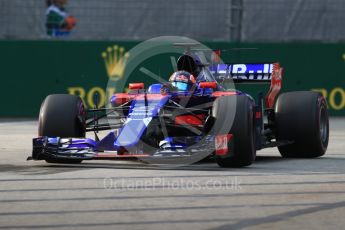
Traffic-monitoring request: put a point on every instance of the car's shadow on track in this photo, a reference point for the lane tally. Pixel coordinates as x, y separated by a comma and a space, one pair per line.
269, 159
266, 163
203, 165
261, 164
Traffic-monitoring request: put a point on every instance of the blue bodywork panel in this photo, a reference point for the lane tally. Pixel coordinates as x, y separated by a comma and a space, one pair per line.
143, 109
154, 88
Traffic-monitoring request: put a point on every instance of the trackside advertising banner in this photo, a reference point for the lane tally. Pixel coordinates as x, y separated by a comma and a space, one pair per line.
30, 70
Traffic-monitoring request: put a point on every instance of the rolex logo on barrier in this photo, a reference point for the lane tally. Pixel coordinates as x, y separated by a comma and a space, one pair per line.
115, 59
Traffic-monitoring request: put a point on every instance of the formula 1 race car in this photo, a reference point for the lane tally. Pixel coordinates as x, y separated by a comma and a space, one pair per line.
209, 120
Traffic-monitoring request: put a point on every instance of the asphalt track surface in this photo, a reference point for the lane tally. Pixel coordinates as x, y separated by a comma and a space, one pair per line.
273, 193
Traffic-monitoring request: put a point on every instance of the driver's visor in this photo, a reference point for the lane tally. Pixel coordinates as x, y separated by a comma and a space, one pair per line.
181, 86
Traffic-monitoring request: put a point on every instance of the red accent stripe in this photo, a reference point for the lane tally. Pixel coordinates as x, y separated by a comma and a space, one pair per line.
190, 119
136, 85
122, 98
120, 156
220, 93
211, 84
151, 96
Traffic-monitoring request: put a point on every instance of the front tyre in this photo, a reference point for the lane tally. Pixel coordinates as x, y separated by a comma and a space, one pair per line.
62, 115
234, 115
302, 118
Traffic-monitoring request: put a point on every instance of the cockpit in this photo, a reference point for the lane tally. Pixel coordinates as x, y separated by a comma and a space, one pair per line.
195, 66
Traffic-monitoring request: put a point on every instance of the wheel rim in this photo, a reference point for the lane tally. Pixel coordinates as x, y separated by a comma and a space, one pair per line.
323, 125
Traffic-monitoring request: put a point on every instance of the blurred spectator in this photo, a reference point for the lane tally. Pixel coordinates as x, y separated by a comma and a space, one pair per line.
59, 23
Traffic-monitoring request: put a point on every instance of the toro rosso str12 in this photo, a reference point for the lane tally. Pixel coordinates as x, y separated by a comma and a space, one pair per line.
193, 116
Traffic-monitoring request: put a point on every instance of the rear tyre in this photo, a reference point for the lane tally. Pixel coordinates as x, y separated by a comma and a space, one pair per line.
62, 115
302, 118
238, 122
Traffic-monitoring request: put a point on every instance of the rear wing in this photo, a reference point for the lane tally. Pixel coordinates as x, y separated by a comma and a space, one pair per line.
243, 72
251, 73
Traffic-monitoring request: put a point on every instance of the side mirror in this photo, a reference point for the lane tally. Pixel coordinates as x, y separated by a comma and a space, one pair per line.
208, 84
136, 85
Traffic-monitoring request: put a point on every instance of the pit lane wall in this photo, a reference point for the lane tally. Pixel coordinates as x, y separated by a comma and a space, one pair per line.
30, 70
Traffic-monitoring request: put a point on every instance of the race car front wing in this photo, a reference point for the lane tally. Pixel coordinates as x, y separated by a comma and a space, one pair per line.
87, 149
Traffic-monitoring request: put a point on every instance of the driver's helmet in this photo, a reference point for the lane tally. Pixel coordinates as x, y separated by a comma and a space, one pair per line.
182, 80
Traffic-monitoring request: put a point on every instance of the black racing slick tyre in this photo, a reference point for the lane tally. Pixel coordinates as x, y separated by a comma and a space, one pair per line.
302, 118
240, 123
62, 115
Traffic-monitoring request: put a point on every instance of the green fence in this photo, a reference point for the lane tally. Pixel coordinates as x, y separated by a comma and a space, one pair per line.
30, 70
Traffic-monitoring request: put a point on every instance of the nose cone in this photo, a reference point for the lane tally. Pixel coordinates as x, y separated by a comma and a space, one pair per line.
131, 132
143, 109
